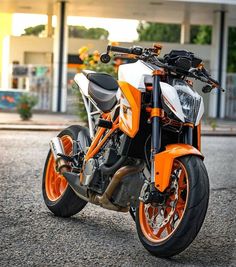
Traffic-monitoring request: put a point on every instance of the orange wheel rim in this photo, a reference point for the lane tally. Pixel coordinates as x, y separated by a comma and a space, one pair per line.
149, 213
55, 183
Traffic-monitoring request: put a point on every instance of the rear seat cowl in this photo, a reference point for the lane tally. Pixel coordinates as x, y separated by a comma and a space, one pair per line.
103, 80
104, 98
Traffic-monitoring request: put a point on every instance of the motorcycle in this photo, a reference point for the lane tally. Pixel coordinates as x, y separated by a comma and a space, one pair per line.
142, 151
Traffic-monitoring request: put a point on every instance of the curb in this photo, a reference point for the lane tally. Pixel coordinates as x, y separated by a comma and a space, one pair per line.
41, 128
225, 134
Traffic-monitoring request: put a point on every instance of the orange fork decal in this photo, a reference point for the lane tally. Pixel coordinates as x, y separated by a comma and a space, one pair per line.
96, 145
199, 136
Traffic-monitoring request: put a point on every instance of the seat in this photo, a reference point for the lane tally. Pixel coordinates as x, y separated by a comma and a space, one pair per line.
103, 80
102, 89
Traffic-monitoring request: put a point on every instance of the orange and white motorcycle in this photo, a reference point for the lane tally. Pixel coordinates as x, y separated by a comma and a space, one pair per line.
142, 151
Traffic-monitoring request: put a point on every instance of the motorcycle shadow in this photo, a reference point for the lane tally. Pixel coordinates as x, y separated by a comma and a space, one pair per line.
109, 222
210, 248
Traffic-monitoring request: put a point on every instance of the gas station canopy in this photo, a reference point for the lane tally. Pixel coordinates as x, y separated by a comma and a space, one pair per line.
170, 11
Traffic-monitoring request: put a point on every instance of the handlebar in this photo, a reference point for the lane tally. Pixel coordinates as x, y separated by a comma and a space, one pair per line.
119, 49
135, 50
151, 55
205, 77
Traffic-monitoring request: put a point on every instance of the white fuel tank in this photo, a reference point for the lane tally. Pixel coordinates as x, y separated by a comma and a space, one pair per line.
134, 73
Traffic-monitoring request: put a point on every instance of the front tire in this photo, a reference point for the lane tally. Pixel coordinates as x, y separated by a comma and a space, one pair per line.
164, 239
58, 196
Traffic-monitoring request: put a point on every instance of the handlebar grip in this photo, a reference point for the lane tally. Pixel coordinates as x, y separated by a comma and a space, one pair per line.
120, 49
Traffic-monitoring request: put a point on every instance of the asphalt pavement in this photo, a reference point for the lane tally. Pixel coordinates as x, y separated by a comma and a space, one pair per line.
32, 236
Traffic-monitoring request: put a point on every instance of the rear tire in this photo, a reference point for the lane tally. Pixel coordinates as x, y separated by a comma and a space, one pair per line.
58, 196
190, 218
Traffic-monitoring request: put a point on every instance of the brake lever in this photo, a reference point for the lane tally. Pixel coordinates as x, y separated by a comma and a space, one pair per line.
204, 77
213, 83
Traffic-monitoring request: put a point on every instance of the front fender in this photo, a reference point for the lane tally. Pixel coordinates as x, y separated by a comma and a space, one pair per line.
163, 162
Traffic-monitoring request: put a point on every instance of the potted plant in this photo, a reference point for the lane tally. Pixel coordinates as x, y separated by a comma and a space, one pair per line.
25, 105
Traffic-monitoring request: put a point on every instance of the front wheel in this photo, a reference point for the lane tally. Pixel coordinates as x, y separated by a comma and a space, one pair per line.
169, 229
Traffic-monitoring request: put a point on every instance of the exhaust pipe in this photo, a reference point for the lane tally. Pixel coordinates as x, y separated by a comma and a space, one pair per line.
74, 182
64, 168
56, 147
73, 178
104, 200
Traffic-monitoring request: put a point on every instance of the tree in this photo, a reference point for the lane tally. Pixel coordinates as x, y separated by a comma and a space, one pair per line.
91, 33
152, 31
200, 34
232, 50
159, 32
36, 30
74, 32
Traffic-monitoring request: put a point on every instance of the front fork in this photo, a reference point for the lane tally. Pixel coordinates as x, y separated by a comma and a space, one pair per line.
162, 160
188, 135
156, 127
149, 191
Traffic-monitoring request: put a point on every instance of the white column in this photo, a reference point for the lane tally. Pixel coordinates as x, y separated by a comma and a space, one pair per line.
185, 28
218, 63
224, 67
6, 64
49, 26
60, 50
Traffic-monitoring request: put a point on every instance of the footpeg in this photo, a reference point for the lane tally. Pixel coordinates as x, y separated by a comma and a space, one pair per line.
65, 157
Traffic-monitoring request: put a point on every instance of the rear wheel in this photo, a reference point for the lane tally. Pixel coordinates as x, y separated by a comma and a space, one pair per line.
58, 195
166, 230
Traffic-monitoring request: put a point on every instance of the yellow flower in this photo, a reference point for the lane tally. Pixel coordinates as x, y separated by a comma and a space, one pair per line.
114, 44
96, 56
83, 56
91, 62
83, 49
96, 53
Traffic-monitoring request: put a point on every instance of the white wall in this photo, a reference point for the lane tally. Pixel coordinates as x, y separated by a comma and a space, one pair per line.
18, 46
28, 49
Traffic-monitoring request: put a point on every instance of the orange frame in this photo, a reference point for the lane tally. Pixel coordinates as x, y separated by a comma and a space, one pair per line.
98, 141
133, 96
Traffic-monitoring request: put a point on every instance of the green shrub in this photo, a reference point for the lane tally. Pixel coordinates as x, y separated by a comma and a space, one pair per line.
25, 105
80, 108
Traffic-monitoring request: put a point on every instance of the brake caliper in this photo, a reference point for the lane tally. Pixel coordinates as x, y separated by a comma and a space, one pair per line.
159, 202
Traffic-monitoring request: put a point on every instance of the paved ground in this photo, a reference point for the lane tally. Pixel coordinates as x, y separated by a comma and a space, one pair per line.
32, 236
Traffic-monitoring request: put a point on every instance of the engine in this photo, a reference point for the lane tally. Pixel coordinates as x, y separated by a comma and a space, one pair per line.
93, 177
97, 180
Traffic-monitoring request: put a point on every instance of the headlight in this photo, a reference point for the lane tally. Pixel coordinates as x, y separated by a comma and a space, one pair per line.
190, 100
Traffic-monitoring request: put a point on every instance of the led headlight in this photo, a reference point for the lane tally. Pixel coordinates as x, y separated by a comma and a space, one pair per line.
190, 100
